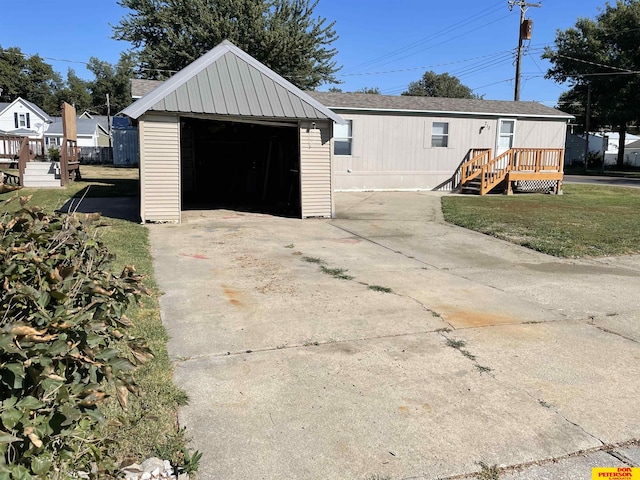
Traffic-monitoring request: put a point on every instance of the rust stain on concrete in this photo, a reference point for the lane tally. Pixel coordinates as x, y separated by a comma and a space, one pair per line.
461, 318
233, 296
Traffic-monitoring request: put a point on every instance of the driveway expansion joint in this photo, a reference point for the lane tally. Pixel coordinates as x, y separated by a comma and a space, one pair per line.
610, 449
611, 332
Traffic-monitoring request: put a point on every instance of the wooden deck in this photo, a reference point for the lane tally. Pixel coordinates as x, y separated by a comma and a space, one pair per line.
541, 169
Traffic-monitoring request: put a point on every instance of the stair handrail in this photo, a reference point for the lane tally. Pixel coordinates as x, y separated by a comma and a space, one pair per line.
472, 168
492, 176
24, 156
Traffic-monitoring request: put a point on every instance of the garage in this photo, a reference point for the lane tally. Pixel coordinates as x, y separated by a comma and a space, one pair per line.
228, 132
242, 166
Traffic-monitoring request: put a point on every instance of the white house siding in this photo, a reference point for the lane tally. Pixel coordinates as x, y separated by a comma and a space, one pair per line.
160, 168
393, 152
315, 169
36, 122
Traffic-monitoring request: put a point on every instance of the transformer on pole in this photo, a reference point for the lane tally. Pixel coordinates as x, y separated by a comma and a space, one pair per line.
526, 29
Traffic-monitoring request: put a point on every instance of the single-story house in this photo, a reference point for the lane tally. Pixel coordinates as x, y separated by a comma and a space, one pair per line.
227, 130
599, 143
418, 143
632, 154
23, 118
90, 133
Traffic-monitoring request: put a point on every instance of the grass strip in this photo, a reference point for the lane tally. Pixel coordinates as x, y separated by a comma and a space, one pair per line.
587, 221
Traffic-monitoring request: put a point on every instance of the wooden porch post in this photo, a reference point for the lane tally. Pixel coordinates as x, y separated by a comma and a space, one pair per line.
69, 137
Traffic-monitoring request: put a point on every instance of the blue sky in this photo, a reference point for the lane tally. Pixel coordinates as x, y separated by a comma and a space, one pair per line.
383, 43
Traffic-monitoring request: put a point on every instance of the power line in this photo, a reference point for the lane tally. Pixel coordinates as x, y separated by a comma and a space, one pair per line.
86, 64
439, 33
424, 66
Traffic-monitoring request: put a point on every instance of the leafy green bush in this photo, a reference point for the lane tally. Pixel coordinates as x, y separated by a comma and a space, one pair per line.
54, 154
63, 338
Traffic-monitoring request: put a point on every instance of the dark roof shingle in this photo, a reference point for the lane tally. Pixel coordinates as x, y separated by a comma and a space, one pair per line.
364, 101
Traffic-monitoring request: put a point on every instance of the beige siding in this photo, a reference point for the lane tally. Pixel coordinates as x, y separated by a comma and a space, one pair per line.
393, 152
160, 168
315, 169
540, 134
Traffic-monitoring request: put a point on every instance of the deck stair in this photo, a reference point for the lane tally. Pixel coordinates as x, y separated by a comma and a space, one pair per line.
41, 174
525, 169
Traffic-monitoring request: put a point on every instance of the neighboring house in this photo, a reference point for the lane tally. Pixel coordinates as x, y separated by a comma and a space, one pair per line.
599, 142
418, 143
632, 154
24, 118
227, 130
90, 133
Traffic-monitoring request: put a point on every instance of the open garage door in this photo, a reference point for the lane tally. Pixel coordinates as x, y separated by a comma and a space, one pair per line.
243, 166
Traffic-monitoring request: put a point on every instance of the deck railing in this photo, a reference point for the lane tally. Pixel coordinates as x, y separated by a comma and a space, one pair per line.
472, 168
538, 159
69, 160
520, 163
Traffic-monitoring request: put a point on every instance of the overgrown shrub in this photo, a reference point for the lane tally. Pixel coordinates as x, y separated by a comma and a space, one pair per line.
63, 338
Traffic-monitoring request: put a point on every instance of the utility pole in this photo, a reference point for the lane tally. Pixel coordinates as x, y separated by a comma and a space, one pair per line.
524, 34
587, 119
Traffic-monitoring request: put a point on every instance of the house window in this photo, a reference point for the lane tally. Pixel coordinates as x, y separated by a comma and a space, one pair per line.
21, 120
440, 134
52, 141
342, 138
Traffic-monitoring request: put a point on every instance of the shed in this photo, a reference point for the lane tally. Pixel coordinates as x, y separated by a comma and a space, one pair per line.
421, 143
228, 131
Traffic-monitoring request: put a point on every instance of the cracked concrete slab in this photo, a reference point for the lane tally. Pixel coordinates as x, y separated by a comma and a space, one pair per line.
343, 381
401, 406
582, 373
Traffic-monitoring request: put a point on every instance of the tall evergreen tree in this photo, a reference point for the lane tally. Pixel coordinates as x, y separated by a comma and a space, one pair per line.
282, 34
439, 85
604, 54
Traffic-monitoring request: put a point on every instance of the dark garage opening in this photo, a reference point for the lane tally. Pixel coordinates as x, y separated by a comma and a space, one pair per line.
242, 166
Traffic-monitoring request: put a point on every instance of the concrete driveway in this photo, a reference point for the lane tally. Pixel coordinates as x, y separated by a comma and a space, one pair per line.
447, 348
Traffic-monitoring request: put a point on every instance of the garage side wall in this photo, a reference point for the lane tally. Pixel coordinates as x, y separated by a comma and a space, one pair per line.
316, 169
160, 168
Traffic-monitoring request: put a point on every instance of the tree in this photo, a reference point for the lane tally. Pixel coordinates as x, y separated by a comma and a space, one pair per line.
113, 80
439, 85
28, 77
76, 92
603, 54
369, 90
282, 34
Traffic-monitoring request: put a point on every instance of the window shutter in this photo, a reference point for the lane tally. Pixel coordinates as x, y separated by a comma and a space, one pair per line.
28, 121
15, 118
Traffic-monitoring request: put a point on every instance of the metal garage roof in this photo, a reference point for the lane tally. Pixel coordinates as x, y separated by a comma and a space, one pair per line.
228, 81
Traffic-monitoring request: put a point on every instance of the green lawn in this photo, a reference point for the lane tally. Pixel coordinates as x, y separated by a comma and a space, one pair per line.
586, 221
149, 426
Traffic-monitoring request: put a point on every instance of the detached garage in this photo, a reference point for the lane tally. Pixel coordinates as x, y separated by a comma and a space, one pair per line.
226, 131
